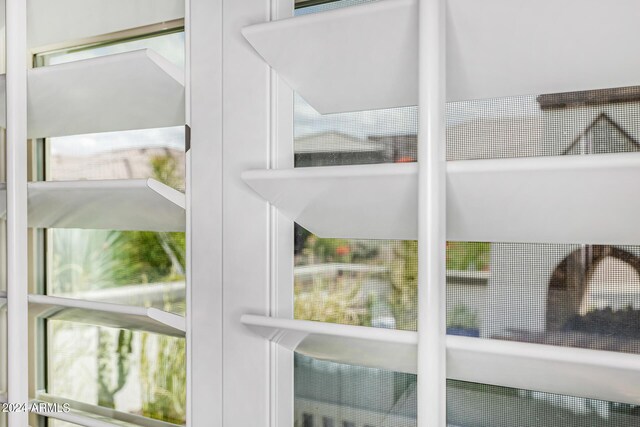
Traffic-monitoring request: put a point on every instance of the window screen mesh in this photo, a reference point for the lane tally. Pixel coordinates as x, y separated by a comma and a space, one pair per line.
569, 295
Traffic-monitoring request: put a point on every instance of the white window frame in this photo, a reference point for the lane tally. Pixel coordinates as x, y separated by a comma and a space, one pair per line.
240, 263
476, 360
24, 376
239, 248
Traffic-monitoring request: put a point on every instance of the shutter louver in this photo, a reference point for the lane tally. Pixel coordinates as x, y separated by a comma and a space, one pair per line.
88, 415
567, 199
494, 49
569, 371
107, 314
133, 204
125, 91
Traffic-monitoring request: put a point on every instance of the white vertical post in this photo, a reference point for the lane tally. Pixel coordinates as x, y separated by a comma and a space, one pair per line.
203, 28
281, 239
432, 409
187, 120
17, 316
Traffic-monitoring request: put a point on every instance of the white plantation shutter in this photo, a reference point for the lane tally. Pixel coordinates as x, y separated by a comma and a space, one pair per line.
133, 90
367, 57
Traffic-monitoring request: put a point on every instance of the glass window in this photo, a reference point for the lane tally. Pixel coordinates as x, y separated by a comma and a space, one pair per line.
136, 372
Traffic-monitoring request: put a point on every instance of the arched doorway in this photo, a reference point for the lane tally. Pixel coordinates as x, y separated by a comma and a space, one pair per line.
597, 289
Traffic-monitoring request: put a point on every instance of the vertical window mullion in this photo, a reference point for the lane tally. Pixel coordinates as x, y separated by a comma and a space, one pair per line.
432, 215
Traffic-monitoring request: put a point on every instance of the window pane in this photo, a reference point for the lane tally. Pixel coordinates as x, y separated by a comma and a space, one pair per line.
470, 404
351, 395
136, 372
137, 154
571, 295
365, 396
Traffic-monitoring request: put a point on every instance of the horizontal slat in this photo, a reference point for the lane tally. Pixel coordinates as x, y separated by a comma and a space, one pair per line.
129, 204
106, 314
376, 348
594, 374
369, 202
155, 294
93, 412
355, 58
567, 199
126, 91
364, 57
576, 372
78, 417
144, 204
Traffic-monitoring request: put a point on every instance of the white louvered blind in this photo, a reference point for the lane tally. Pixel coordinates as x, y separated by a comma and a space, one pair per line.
558, 226
103, 208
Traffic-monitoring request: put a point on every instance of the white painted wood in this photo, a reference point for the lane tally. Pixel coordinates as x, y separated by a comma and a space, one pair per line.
595, 374
79, 418
16, 203
432, 215
281, 229
366, 56
348, 59
355, 345
101, 412
501, 48
143, 204
125, 91
133, 90
245, 240
568, 199
204, 179
107, 314
369, 202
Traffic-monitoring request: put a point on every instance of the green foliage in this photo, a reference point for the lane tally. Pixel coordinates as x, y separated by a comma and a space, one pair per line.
404, 280
165, 169
93, 259
149, 257
461, 316
84, 260
330, 302
164, 391
162, 255
327, 250
468, 256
